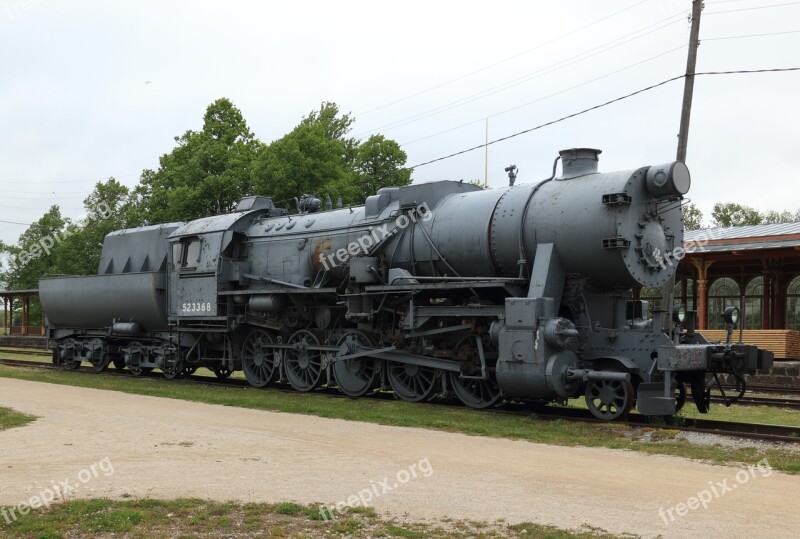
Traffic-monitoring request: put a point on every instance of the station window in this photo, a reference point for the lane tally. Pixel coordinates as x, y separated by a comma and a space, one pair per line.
793, 305
753, 297
723, 293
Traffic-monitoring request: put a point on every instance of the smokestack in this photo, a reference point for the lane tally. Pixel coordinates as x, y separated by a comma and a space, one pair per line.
578, 162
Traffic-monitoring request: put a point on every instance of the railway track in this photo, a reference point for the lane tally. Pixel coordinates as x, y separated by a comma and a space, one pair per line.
771, 433
769, 390
26, 351
775, 402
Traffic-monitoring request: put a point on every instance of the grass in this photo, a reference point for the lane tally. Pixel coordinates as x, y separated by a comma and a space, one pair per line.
736, 413
442, 418
200, 518
11, 418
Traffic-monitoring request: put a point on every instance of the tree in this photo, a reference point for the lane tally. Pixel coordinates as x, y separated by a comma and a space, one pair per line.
692, 217
79, 252
34, 254
772, 217
733, 214
205, 174
379, 163
315, 158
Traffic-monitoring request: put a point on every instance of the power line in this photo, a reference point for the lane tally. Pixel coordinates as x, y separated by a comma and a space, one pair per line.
29, 181
506, 111
752, 8
14, 223
584, 111
751, 35
601, 105
436, 87
585, 55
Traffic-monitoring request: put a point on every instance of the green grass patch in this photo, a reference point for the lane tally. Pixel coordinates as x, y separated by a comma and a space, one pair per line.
443, 418
200, 518
11, 418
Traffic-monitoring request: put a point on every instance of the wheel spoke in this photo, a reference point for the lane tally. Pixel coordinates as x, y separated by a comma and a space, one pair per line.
303, 366
412, 383
257, 362
355, 377
609, 399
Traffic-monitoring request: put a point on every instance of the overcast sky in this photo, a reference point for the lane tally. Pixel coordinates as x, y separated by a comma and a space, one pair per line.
92, 89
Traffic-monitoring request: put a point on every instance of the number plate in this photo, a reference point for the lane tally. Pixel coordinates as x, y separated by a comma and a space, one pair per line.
196, 307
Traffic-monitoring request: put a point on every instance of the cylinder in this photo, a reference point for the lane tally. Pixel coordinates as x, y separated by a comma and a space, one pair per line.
127, 328
268, 303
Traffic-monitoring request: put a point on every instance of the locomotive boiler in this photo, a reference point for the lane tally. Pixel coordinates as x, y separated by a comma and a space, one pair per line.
520, 293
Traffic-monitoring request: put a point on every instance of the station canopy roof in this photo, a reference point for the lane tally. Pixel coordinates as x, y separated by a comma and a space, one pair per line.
745, 238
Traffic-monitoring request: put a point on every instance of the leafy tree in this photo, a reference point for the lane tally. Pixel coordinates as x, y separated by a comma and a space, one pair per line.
206, 173
315, 157
34, 254
79, 252
733, 214
772, 217
379, 163
692, 217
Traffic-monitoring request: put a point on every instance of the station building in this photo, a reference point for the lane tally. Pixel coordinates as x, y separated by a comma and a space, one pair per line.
756, 268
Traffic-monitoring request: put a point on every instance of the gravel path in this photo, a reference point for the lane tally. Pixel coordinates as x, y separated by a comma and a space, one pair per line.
163, 448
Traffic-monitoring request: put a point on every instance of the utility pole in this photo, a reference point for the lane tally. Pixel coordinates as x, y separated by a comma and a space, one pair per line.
688, 81
683, 135
486, 158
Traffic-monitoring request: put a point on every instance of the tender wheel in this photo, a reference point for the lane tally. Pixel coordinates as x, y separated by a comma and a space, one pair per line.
223, 372
73, 365
474, 393
609, 400
174, 372
303, 366
136, 371
357, 376
680, 396
259, 361
119, 363
412, 383
100, 364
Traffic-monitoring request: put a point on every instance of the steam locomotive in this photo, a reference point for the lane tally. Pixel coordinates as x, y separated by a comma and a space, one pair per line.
520, 293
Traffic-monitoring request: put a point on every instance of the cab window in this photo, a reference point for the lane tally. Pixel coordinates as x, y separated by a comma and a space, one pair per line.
191, 253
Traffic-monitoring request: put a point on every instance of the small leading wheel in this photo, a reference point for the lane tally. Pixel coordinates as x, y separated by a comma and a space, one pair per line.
259, 360
475, 393
357, 376
609, 399
189, 370
100, 364
136, 371
412, 383
222, 372
303, 366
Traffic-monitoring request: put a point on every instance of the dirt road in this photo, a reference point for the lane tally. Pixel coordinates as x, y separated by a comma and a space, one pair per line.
164, 448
